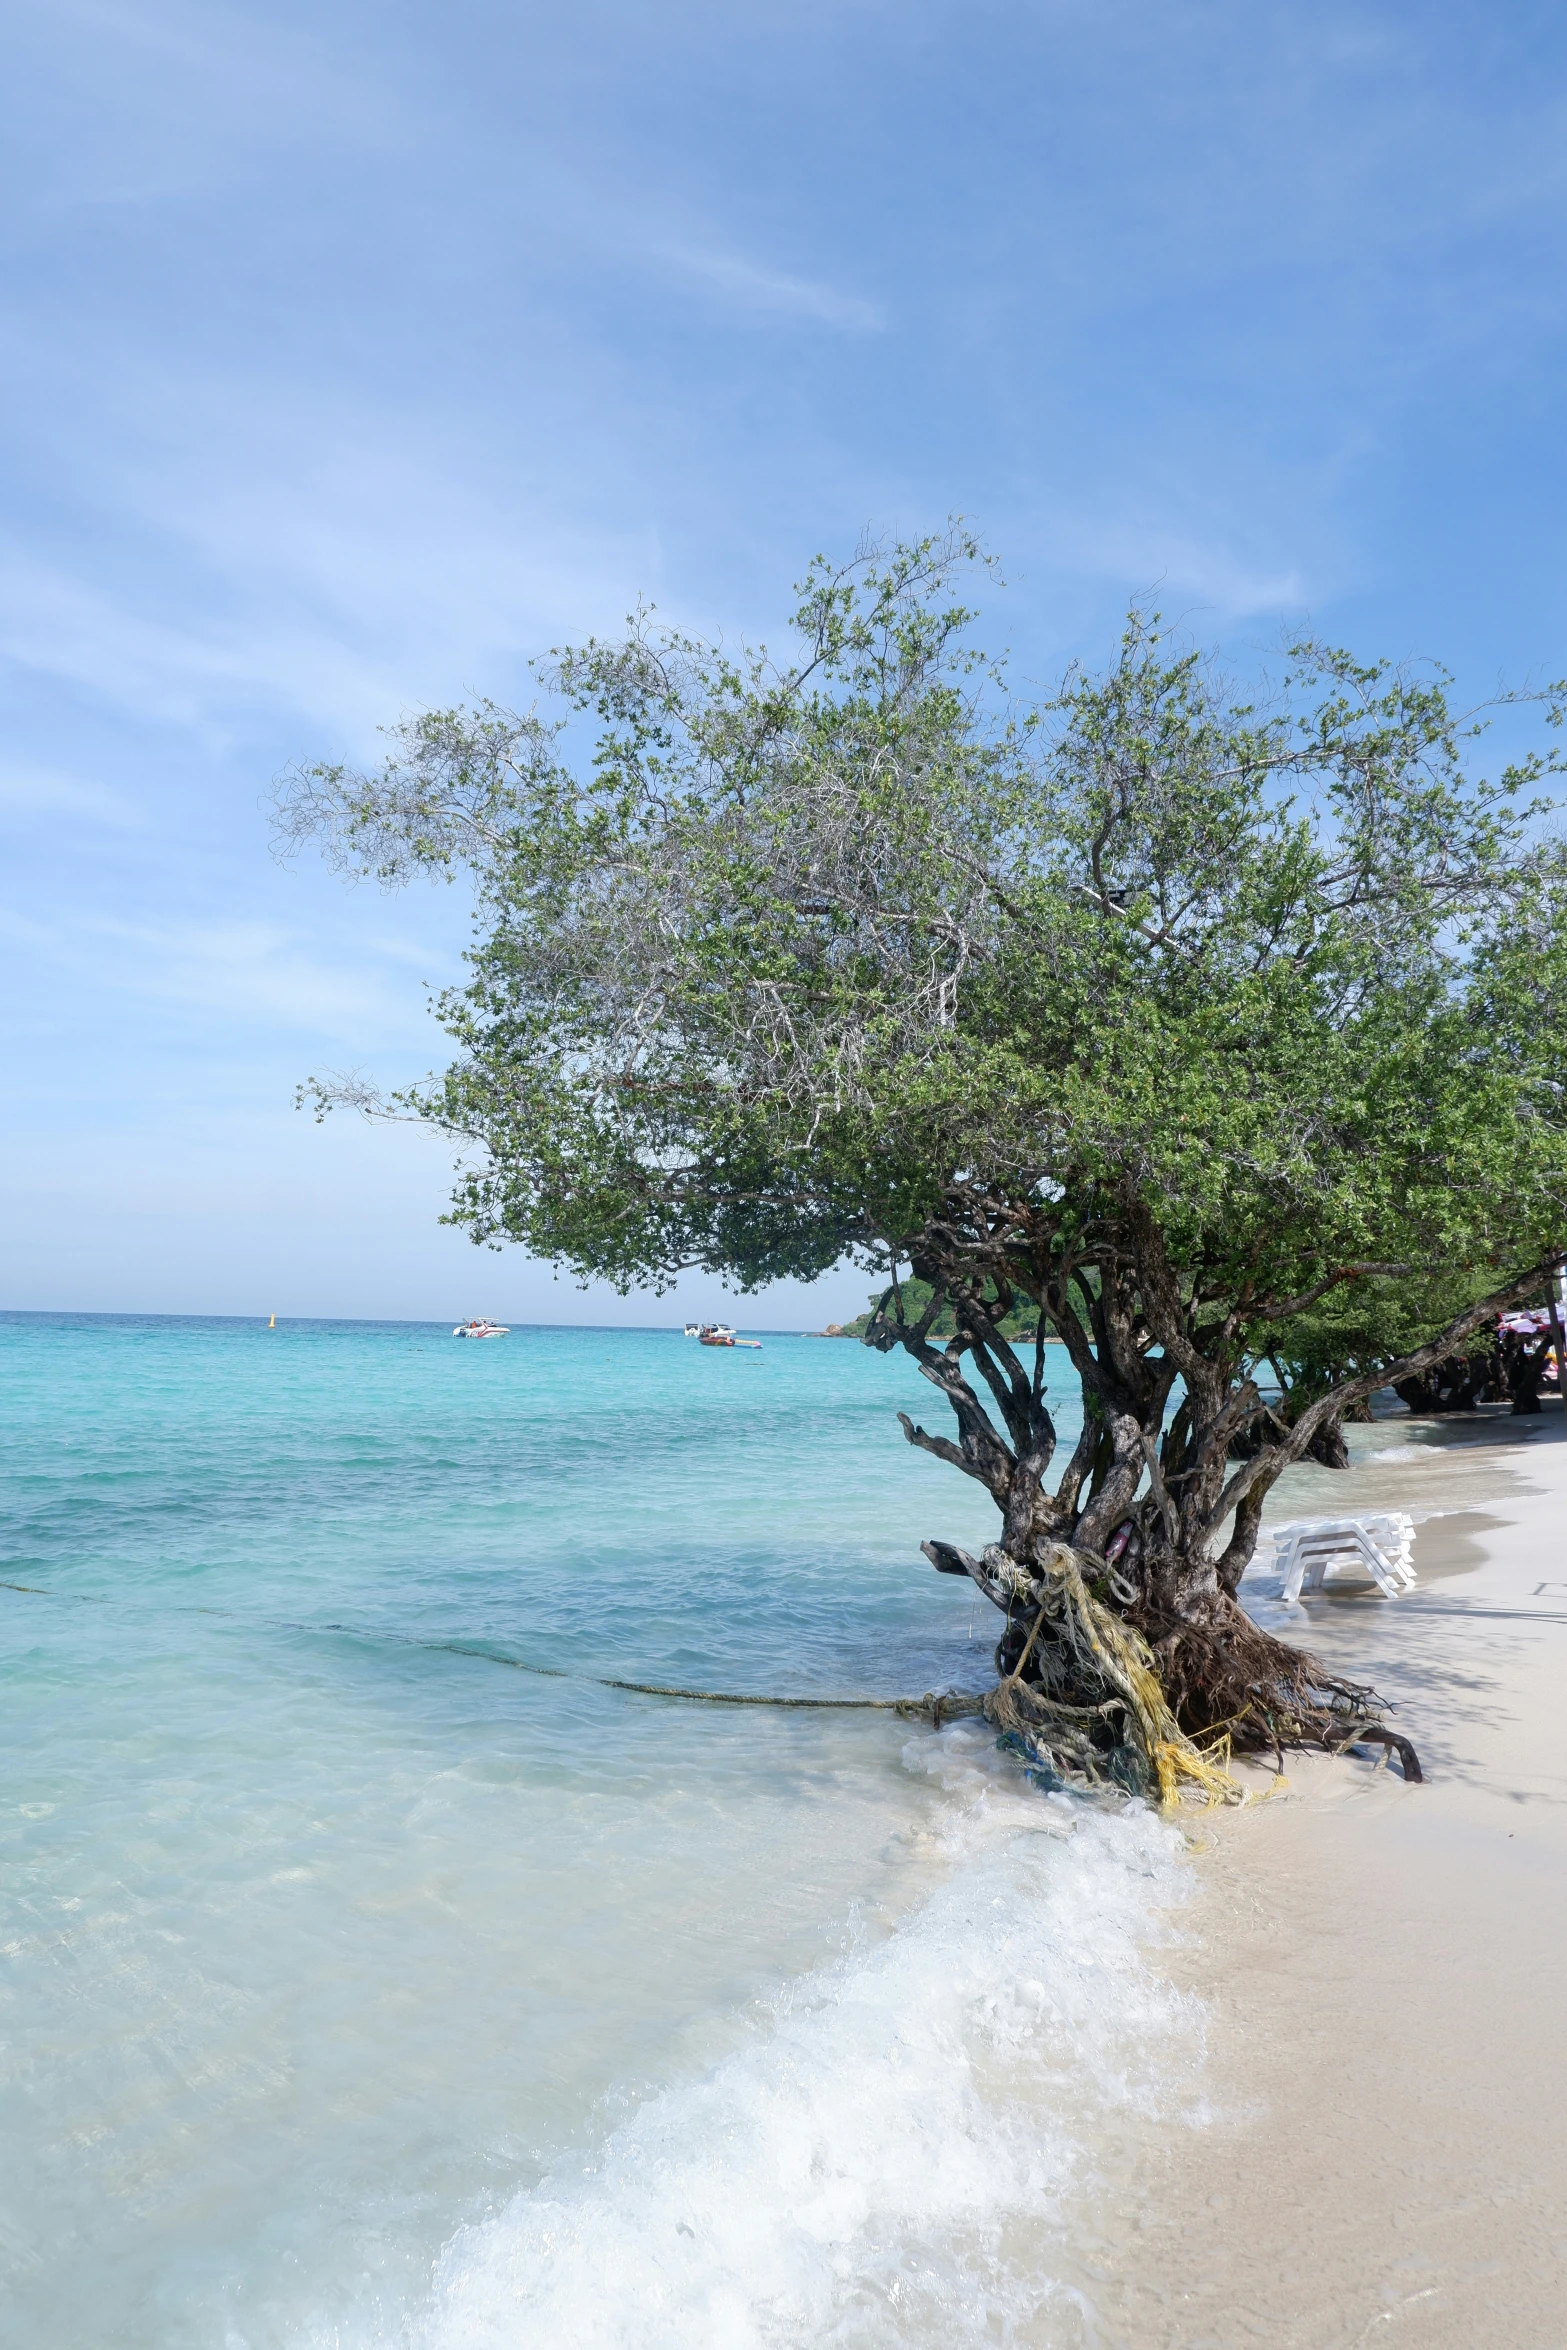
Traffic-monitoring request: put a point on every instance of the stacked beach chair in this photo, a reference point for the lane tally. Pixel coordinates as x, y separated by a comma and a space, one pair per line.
1378, 1547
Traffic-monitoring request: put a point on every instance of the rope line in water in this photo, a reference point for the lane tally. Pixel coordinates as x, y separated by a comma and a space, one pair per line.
950, 1705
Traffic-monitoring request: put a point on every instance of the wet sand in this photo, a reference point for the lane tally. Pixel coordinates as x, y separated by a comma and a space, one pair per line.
1380, 2157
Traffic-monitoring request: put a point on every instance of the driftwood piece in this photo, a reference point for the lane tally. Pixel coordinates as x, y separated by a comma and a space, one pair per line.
1377, 1734
1004, 1583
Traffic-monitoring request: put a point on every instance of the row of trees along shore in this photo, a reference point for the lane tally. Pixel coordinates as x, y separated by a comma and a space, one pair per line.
1504, 1362
1219, 1037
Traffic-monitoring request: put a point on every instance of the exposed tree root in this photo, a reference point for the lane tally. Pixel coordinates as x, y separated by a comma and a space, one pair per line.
1155, 1708
1221, 1669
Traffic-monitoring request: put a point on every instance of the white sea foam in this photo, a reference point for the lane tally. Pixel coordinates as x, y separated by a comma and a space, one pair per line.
890, 2156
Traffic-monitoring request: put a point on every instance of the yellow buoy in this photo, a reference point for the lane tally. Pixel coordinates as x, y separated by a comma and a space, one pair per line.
272, 1322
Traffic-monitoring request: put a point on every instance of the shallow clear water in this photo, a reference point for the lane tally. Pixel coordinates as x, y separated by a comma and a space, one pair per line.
373, 1973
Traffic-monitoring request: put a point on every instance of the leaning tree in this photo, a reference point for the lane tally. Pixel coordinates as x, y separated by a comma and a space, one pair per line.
1178, 1020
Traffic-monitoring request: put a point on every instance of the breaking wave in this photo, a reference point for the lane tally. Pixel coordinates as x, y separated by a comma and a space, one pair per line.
894, 2152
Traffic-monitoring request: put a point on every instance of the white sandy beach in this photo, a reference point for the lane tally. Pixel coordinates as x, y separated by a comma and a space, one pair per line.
1384, 1965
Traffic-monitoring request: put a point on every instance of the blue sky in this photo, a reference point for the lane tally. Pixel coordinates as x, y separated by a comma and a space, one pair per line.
351, 354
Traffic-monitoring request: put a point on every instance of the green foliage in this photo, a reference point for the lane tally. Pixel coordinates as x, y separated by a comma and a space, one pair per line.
1363, 1323
1224, 1030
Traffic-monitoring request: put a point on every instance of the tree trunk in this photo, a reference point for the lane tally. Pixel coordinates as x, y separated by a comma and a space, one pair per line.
1525, 1370
1126, 1656
1458, 1384
1327, 1448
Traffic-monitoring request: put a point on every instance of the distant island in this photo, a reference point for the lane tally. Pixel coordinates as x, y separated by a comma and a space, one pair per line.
1021, 1322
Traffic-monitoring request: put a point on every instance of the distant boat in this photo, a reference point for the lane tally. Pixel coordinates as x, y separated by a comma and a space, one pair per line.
720, 1334
482, 1327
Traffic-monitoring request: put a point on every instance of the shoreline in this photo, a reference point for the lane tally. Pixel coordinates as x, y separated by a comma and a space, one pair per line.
1384, 2133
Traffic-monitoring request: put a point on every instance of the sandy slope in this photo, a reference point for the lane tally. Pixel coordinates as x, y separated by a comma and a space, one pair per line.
1386, 1968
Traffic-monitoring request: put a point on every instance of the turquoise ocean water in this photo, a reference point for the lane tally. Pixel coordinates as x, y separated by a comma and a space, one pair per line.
374, 1975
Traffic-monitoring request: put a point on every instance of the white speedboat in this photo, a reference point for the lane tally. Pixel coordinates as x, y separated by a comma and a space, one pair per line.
483, 1327
713, 1333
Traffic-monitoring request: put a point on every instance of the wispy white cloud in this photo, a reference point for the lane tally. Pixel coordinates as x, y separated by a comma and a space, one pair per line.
1152, 549
216, 83
38, 790
1216, 577
218, 971
76, 630
194, 673
327, 597
295, 545
749, 286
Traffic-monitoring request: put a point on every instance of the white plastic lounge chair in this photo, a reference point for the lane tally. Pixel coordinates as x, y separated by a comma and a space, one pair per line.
1379, 1546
